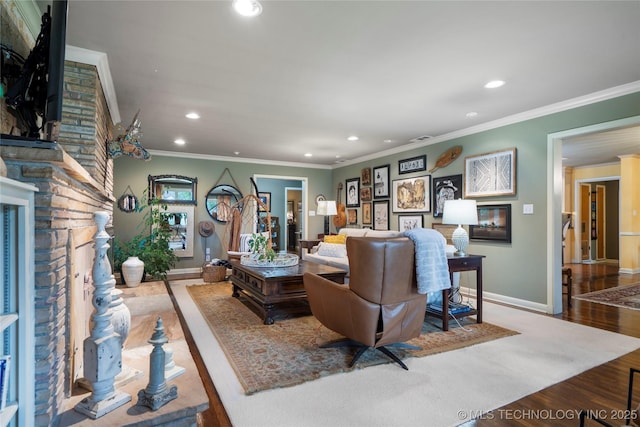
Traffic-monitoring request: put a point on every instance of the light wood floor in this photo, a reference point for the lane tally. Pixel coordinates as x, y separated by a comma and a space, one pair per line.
603, 388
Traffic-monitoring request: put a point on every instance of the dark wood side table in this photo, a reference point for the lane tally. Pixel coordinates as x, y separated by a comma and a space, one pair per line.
307, 244
461, 263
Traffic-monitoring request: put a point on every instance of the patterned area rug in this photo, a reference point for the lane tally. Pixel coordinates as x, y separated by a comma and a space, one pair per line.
620, 296
286, 353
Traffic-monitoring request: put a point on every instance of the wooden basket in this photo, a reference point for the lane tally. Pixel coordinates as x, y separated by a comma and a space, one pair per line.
214, 273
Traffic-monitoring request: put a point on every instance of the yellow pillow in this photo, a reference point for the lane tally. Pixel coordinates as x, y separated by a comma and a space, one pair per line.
337, 238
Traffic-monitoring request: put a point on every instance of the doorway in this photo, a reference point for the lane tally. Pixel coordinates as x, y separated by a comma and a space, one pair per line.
279, 187
555, 203
294, 214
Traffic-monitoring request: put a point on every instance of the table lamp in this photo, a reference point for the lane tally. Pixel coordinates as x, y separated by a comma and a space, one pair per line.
461, 212
327, 208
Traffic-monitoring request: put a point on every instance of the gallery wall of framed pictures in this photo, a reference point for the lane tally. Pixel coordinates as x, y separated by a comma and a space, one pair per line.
408, 193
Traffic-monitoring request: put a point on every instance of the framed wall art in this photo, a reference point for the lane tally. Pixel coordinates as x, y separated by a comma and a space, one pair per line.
409, 222
491, 174
414, 164
445, 188
265, 197
366, 213
365, 176
365, 194
412, 194
494, 223
353, 192
352, 216
381, 215
381, 182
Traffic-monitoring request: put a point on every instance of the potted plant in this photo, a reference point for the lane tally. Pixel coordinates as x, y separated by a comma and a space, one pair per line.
260, 250
150, 246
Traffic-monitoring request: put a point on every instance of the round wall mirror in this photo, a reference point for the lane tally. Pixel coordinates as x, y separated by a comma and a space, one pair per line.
128, 203
219, 201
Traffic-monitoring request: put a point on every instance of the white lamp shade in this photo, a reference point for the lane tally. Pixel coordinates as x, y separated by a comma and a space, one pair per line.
459, 212
327, 207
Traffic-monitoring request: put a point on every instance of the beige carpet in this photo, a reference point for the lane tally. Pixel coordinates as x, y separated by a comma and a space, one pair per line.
620, 296
287, 353
444, 389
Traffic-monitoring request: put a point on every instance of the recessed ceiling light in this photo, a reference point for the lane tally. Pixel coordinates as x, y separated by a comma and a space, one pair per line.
353, 138
494, 84
308, 155
471, 114
236, 153
338, 156
180, 141
193, 116
247, 7
387, 141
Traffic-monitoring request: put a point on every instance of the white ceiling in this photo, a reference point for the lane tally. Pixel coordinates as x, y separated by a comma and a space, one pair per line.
305, 75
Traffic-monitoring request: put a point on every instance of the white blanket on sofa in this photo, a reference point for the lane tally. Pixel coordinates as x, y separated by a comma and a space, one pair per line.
432, 268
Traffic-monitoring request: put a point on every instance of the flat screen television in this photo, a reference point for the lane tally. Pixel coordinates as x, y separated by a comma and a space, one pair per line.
35, 96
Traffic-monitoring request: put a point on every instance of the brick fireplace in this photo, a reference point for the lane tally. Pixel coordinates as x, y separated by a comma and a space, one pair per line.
74, 180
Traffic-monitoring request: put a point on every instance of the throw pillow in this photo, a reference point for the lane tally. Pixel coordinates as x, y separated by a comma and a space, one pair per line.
333, 250
336, 238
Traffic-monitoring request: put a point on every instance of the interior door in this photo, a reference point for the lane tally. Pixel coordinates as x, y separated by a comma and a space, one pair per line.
585, 221
601, 237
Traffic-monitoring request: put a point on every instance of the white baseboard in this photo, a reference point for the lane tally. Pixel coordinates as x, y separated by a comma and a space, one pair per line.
192, 270
629, 270
515, 302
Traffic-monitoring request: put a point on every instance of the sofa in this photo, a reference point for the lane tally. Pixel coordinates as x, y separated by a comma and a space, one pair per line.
333, 251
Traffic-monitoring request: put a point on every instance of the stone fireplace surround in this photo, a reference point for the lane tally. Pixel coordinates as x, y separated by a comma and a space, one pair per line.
74, 180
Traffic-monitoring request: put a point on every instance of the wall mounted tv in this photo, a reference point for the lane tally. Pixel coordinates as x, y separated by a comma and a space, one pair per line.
35, 88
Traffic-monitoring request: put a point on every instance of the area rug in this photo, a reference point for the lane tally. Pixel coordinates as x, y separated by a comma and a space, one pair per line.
620, 296
287, 353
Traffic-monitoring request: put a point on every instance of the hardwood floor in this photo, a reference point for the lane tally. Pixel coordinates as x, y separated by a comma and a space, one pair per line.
601, 390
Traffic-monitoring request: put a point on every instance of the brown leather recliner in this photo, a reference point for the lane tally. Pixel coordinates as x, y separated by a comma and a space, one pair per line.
380, 306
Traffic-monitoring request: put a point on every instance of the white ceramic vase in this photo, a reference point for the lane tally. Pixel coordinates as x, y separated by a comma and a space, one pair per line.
132, 271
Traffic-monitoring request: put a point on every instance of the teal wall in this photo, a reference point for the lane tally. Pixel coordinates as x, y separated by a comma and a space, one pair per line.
516, 270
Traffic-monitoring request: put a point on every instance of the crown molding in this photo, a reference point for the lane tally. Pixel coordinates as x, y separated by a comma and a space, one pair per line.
101, 62
237, 159
558, 107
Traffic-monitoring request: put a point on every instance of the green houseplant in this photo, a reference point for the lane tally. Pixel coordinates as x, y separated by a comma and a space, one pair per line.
150, 245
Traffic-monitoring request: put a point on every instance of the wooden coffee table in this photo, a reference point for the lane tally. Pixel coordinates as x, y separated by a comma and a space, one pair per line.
268, 287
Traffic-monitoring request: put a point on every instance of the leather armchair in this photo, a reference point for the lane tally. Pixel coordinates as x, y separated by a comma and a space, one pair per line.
380, 306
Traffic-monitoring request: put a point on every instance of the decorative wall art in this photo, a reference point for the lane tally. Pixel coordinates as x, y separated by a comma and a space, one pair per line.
381, 182
491, 174
494, 223
172, 189
445, 188
365, 175
366, 213
412, 194
219, 201
414, 164
365, 194
353, 192
352, 216
409, 222
381, 215
128, 202
265, 197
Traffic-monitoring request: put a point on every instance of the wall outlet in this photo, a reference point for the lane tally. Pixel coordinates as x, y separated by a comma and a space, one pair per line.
527, 209
207, 254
